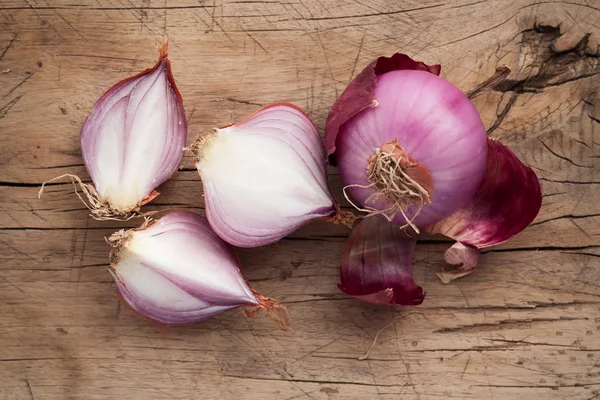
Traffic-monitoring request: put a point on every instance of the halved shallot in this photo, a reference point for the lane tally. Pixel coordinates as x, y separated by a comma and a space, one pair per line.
265, 176
177, 271
132, 141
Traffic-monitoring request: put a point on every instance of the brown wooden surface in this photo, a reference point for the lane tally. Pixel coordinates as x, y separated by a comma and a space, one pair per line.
526, 325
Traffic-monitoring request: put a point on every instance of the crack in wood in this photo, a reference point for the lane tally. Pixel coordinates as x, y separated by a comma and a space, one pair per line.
568, 182
580, 229
555, 154
37, 185
19, 85
135, 8
565, 217
554, 387
29, 389
535, 343
504, 324
500, 118
375, 14
552, 194
321, 382
9, 46
4, 110
547, 248
554, 65
241, 102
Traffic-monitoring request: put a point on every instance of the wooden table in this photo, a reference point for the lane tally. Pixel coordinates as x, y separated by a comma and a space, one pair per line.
525, 325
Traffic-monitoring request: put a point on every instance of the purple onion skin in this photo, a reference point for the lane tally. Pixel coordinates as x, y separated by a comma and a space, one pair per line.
507, 201
359, 96
376, 265
463, 255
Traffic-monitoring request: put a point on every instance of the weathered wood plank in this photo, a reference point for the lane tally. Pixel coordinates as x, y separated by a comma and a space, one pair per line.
567, 211
525, 325
301, 270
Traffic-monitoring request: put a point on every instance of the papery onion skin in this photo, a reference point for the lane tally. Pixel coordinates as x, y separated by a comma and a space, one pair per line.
461, 254
133, 139
265, 176
376, 264
433, 121
507, 201
177, 271
359, 94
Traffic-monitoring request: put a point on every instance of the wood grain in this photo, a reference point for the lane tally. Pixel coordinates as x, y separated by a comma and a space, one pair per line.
525, 325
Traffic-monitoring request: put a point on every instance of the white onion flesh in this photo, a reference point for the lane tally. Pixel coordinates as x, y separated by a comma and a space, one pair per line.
264, 177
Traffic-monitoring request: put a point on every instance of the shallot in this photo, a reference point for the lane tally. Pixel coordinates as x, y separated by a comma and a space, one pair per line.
177, 271
132, 141
265, 176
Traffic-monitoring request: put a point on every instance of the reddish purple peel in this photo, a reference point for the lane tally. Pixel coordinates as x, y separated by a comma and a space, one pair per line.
464, 255
459, 254
507, 201
359, 94
376, 265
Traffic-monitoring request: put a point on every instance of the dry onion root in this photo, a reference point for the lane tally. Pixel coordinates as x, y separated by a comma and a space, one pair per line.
131, 142
398, 181
99, 209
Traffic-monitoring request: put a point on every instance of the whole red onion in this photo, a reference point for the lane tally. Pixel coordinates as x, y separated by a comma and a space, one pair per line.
411, 147
430, 129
